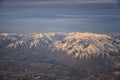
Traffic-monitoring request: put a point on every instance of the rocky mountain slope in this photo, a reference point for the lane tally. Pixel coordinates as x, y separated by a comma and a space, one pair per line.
75, 44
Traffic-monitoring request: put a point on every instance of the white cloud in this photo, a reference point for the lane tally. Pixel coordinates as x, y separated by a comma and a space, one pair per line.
55, 2
91, 16
53, 20
70, 2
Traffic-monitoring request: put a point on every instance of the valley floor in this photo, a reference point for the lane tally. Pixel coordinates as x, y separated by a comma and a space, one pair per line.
19, 65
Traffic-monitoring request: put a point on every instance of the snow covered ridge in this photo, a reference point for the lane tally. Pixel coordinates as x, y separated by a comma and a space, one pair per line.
75, 44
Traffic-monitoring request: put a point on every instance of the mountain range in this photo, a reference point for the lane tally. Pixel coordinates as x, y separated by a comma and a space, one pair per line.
74, 44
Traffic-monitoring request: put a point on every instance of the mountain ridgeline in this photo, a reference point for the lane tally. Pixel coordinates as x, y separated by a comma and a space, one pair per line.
73, 44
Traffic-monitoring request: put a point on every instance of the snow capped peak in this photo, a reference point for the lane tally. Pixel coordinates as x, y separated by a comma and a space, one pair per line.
7, 34
78, 35
37, 36
75, 44
4, 34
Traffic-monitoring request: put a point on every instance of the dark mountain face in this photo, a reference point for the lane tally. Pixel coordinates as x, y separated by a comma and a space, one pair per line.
59, 56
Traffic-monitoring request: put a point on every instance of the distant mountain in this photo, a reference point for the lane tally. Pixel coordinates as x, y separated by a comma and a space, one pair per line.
75, 44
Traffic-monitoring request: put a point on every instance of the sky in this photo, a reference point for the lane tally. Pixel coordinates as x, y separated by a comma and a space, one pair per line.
23, 16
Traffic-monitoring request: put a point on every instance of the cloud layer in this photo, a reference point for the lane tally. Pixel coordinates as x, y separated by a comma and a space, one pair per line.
81, 15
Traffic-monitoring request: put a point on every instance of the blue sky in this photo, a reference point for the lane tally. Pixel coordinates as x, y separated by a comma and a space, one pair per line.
60, 15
